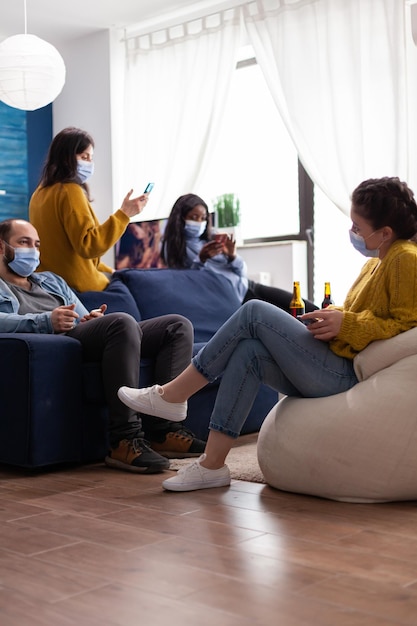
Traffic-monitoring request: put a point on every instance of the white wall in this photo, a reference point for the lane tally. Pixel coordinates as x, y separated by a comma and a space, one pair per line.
285, 262
85, 102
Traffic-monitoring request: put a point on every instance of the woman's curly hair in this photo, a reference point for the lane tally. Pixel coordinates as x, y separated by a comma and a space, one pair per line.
387, 202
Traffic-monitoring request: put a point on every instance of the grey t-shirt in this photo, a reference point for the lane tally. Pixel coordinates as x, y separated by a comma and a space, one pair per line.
37, 300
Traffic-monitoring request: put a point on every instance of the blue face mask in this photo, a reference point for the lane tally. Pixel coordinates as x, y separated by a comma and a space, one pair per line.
194, 229
85, 169
359, 243
25, 261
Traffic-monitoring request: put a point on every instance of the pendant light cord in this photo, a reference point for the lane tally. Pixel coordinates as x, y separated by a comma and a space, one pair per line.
26, 19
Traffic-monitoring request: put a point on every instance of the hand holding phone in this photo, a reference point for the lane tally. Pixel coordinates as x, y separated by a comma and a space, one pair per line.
220, 238
149, 187
308, 320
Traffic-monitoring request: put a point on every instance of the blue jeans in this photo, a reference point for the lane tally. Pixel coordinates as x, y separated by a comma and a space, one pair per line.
263, 344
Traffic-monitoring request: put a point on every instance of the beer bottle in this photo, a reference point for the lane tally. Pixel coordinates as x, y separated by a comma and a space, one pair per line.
327, 296
297, 306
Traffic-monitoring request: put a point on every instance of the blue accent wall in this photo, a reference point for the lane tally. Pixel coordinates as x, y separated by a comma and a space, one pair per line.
39, 137
24, 140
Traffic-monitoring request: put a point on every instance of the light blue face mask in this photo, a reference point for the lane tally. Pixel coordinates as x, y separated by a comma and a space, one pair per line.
85, 169
194, 229
25, 261
359, 243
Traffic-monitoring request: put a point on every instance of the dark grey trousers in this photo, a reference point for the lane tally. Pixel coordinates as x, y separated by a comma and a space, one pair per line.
118, 342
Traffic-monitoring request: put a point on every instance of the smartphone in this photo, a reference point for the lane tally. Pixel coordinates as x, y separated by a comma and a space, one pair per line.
149, 187
308, 321
220, 238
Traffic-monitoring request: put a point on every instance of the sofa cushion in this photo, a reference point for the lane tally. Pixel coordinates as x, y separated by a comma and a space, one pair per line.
117, 297
381, 354
205, 298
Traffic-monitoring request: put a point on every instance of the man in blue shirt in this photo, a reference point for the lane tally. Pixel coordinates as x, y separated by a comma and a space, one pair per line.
43, 303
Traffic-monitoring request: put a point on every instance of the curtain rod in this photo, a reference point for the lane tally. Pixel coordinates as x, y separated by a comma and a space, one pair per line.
150, 26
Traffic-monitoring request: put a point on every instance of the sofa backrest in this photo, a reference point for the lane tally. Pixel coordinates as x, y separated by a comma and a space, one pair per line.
117, 297
205, 298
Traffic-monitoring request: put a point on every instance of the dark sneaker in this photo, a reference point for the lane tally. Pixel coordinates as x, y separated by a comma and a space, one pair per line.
179, 444
136, 456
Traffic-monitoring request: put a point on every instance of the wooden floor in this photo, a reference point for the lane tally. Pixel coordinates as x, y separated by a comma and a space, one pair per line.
95, 546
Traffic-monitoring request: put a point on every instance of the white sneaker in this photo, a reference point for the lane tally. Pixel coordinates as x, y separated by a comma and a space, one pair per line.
195, 476
150, 401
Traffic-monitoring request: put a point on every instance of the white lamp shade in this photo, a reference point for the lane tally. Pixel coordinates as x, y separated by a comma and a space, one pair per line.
32, 72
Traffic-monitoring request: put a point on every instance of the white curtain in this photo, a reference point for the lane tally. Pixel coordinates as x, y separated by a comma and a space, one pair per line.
177, 83
338, 74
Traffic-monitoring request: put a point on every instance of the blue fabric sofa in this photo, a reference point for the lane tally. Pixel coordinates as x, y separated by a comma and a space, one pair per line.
52, 406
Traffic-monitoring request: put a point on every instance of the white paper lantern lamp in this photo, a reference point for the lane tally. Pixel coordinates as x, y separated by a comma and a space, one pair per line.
32, 72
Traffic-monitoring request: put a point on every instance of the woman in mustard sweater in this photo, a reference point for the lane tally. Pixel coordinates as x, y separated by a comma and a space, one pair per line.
73, 240
262, 343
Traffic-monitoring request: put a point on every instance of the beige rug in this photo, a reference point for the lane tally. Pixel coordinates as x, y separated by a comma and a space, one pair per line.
242, 461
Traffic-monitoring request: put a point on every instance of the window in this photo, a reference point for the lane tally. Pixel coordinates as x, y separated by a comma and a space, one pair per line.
256, 159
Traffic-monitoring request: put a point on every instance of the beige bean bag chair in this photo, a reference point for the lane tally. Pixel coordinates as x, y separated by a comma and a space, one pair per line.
356, 446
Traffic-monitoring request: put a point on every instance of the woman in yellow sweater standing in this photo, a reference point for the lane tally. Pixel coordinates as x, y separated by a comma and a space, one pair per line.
262, 343
72, 243
73, 240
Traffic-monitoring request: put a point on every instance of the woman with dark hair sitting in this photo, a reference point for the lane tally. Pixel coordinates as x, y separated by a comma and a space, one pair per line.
188, 243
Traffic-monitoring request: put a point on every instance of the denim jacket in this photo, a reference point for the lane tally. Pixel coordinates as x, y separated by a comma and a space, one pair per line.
12, 322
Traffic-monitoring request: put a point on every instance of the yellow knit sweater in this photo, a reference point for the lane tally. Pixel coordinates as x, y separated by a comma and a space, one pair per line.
382, 302
72, 239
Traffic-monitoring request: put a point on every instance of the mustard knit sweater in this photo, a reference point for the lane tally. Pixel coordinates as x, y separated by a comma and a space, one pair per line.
382, 302
72, 239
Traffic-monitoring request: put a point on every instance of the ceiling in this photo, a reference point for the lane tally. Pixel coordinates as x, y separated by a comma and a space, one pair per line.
64, 20
59, 21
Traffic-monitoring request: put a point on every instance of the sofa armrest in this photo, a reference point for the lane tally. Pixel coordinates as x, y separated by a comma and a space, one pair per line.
41, 399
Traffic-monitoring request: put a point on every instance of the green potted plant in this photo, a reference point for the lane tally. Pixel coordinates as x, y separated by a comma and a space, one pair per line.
227, 207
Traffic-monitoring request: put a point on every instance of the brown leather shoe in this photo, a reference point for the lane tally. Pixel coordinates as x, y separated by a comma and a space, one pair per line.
136, 456
179, 444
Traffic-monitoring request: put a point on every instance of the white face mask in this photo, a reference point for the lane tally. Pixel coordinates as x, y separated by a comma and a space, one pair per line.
25, 261
194, 229
359, 243
85, 169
